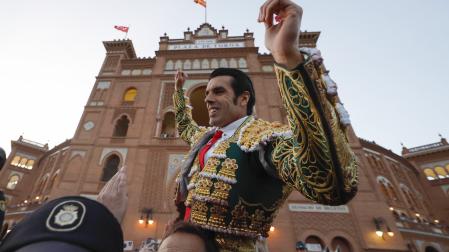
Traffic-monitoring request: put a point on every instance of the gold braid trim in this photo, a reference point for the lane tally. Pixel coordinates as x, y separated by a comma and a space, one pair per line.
304, 161
257, 132
187, 127
346, 157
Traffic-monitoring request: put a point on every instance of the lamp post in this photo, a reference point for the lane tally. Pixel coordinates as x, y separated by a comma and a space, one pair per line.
379, 222
146, 217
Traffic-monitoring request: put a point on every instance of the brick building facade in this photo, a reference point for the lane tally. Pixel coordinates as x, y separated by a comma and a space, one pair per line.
129, 119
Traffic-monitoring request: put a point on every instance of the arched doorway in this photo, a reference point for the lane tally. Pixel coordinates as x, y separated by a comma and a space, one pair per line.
314, 243
431, 249
340, 244
168, 125
110, 168
199, 111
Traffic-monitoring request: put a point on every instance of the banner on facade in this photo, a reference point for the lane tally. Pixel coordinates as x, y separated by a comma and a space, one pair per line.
317, 208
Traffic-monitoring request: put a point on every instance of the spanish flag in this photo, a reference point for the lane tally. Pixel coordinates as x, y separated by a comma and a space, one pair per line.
201, 2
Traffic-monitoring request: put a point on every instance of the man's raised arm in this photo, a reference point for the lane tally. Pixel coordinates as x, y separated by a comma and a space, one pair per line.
187, 127
317, 160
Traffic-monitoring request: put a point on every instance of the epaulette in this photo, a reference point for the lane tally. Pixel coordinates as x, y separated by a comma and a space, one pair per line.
257, 132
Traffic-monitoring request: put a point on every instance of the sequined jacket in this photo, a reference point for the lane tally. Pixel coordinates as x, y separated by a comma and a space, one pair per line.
249, 176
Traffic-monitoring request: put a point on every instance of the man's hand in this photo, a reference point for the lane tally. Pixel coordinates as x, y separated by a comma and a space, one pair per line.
180, 78
114, 194
282, 38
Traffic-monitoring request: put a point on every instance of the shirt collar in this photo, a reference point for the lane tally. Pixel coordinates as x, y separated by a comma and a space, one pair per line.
230, 129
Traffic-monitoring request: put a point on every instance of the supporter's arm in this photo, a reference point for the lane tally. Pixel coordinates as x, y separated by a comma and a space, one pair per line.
114, 194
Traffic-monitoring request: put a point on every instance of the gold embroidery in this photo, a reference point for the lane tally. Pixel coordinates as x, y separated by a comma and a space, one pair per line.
199, 213
221, 190
257, 220
240, 217
203, 186
259, 131
232, 243
221, 149
217, 216
211, 165
304, 161
228, 168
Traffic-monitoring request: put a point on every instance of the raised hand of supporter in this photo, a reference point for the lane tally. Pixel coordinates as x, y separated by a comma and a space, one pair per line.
114, 194
281, 39
180, 78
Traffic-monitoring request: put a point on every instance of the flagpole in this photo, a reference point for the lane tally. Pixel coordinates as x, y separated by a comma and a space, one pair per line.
126, 34
205, 14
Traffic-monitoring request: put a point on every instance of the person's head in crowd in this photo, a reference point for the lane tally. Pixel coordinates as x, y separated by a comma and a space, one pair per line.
2, 157
69, 224
185, 237
301, 246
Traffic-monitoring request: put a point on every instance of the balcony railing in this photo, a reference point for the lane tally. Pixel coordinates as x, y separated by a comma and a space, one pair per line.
413, 224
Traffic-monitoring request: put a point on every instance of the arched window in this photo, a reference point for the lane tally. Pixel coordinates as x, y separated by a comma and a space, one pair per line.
15, 161
205, 64
169, 65
340, 244
387, 188
29, 164
392, 192
110, 168
52, 180
187, 64
23, 162
121, 127
13, 181
223, 63
214, 64
168, 125
130, 95
233, 63
430, 174
196, 64
315, 243
242, 63
384, 190
178, 64
441, 173
40, 188
430, 249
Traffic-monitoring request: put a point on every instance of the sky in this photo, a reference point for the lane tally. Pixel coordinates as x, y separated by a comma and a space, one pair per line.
390, 59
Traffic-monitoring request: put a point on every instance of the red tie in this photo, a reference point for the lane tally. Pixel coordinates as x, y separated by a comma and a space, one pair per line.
206, 147
203, 151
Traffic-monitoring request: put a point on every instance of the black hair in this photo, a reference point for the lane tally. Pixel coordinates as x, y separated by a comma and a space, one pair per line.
240, 83
188, 228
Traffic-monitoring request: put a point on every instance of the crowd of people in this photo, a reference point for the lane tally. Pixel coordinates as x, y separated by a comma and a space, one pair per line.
238, 172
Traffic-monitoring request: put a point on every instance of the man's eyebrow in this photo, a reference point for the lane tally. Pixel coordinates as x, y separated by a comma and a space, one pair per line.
218, 89
215, 89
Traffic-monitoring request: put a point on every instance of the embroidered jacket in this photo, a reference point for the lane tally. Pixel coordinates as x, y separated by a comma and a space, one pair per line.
250, 175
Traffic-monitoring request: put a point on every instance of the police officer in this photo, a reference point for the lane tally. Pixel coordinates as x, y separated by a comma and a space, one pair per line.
70, 224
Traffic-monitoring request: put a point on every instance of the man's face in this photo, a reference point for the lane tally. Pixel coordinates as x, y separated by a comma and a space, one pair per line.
182, 242
222, 105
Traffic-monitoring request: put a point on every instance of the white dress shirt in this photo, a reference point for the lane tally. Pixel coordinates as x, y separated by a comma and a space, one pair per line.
228, 131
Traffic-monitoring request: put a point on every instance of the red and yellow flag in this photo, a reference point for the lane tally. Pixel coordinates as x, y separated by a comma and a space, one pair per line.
201, 2
122, 28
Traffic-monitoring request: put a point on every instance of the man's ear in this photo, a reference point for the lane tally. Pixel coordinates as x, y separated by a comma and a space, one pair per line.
244, 98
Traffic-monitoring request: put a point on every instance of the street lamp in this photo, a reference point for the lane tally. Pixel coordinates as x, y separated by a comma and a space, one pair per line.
146, 216
378, 222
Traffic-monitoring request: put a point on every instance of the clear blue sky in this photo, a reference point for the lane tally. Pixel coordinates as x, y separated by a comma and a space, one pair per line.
390, 59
